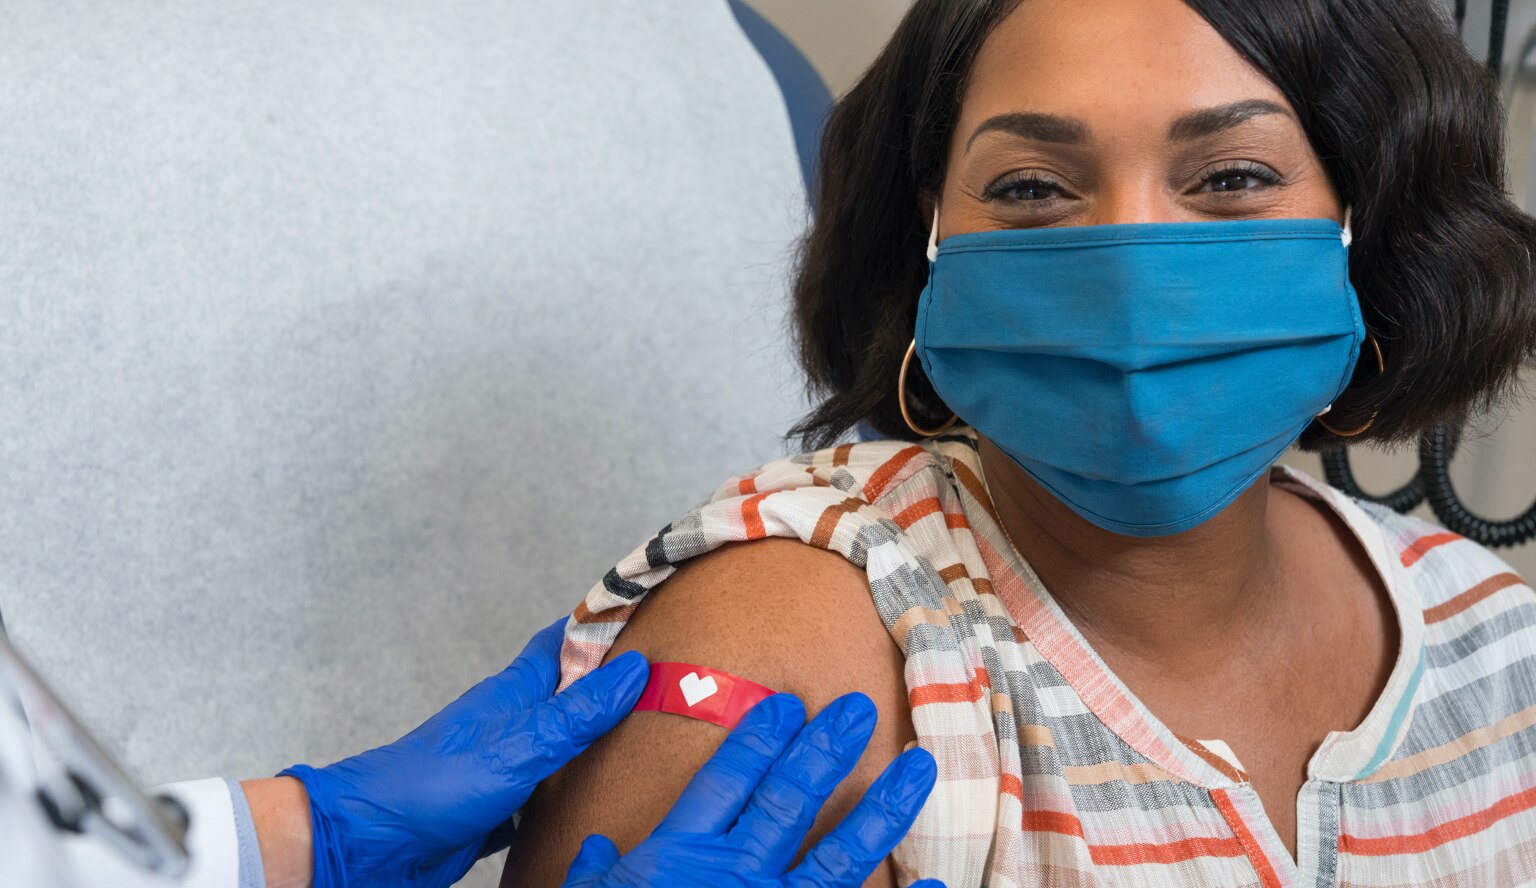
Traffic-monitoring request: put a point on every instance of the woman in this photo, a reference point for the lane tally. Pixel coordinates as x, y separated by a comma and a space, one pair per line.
1166, 240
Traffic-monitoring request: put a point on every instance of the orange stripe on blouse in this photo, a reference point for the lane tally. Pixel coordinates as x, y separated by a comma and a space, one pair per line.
584, 615
1447, 609
1172, 852
750, 517
826, 525
1054, 822
975, 488
816, 479
1221, 765
883, 475
747, 485
1245, 840
916, 512
1436, 836
1423, 544
969, 692
954, 572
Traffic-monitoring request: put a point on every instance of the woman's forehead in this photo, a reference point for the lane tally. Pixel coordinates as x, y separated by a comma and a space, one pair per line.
1113, 64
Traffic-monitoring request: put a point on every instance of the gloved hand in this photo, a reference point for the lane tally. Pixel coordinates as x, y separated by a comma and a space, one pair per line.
418, 811
744, 815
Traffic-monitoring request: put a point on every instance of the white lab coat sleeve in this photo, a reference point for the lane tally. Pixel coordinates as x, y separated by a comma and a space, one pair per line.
213, 843
212, 847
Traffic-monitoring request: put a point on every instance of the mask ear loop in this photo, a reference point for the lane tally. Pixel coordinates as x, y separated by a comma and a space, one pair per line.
906, 362
1348, 237
933, 235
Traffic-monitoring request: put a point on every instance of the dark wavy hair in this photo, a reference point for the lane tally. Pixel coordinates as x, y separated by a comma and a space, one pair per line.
1407, 124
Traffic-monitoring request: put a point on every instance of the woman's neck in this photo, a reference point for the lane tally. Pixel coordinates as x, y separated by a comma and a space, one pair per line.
1159, 599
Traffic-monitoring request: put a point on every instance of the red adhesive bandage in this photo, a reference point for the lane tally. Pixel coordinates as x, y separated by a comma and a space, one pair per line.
700, 692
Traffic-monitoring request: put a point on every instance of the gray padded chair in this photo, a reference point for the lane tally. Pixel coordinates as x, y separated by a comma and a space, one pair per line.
344, 345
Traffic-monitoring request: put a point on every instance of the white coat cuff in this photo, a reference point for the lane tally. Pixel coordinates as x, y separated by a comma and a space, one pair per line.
212, 843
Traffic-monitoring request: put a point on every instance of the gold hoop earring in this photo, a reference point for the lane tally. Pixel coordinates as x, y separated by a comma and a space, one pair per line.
1381, 367
901, 398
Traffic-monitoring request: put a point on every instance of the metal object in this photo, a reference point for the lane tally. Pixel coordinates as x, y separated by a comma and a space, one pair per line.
1381, 367
901, 397
80, 787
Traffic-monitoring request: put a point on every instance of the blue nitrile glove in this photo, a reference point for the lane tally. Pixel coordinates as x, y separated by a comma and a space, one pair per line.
743, 817
418, 811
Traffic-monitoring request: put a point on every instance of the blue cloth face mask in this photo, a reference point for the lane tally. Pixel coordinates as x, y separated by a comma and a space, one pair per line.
1146, 374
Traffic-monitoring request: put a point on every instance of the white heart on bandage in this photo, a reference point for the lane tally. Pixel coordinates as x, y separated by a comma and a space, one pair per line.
695, 689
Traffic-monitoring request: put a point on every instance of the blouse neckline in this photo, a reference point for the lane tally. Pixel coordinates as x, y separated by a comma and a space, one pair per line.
1343, 756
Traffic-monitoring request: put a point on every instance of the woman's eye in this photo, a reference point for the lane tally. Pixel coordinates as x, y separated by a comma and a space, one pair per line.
1232, 182
1240, 178
1027, 189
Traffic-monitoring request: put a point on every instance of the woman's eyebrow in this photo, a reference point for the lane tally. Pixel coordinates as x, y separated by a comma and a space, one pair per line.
1036, 126
1071, 131
1210, 121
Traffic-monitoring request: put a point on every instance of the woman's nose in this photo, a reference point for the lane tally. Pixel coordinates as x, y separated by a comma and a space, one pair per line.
1134, 203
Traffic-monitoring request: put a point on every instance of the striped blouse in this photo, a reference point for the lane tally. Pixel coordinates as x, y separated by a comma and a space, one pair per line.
1052, 773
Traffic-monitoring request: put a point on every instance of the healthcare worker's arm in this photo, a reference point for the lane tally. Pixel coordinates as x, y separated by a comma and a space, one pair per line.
422, 809
279, 823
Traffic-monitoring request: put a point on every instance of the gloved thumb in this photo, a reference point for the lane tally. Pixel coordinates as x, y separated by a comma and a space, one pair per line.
597, 856
542, 739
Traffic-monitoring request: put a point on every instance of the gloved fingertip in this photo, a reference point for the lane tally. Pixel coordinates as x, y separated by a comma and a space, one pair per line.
628, 673
919, 764
927, 883
599, 847
858, 710
541, 654
778, 708
599, 700
844, 726
595, 858
914, 774
859, 699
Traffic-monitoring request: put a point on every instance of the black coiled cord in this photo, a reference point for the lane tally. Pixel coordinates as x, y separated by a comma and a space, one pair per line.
1432, 482
1435, 451
1337, 469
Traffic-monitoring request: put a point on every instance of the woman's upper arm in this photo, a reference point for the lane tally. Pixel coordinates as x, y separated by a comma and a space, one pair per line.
780, 613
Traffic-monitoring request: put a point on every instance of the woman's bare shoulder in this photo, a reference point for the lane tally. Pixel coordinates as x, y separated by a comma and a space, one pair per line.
743, 607
781, 613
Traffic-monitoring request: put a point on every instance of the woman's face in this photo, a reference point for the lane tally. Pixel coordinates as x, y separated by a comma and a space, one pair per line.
1121, 111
